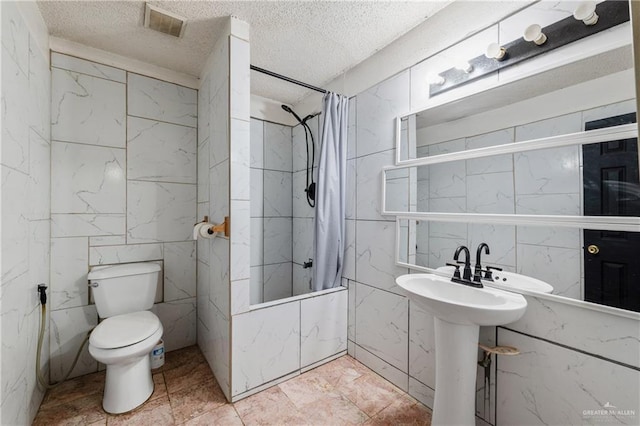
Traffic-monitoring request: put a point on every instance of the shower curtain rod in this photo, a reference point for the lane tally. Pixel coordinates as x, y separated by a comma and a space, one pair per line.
285, 78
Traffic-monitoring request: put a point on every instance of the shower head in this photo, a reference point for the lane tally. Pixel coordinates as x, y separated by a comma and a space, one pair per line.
290, 111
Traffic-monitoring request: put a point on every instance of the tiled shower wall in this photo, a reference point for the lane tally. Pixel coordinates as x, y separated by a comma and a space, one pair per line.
123, 169
25, 207
281, 219
574, 356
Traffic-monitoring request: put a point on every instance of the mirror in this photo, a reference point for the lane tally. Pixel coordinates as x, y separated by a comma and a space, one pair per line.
439, 174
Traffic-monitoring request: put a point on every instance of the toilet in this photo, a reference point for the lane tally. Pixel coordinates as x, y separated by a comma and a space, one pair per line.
123, 295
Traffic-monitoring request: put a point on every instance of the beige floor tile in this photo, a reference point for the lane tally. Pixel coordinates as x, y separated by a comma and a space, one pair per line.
196, 400
370, 393
269, 407
78, 387
187, 376
159, 386
80, 411
187, 356
403, 411
224, 416
152, 413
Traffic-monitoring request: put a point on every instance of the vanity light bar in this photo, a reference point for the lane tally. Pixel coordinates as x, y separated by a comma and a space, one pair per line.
609, 14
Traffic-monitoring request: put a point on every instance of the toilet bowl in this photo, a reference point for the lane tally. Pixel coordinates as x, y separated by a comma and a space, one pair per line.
123, 344
128, 333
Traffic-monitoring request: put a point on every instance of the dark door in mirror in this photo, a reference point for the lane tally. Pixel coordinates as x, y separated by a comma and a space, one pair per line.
611, 187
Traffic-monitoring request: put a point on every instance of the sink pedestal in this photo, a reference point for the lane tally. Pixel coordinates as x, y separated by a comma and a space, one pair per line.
456, 369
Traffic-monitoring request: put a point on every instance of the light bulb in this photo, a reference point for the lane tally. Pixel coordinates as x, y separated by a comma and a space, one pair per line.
586, 12
436, 79
534, 33
495, 51
464, 66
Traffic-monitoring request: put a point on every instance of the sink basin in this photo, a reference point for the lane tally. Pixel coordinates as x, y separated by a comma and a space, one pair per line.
509, 281
461, 304
459, 312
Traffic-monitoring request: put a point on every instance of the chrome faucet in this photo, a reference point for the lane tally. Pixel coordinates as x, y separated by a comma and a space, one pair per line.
477, 272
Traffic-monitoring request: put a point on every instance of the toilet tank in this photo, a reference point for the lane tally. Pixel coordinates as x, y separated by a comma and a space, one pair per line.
123, 289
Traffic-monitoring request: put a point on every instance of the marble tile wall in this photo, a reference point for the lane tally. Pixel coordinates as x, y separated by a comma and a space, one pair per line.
123, 189
25, 209
393, 337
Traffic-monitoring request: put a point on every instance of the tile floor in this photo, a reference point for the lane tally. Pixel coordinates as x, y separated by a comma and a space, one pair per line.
342, 392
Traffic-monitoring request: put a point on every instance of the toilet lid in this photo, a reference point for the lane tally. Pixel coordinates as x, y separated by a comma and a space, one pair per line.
124, 330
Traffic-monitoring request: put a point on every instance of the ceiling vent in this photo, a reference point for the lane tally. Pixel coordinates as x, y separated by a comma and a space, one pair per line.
164, 21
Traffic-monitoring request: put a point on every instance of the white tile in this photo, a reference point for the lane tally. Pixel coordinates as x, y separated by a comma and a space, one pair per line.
611, 110
256, 285
559, 267
69, 328
277, 147
240, 296
397, 194
351, 185
87, 109
240, 158
548, 171
384, 369
83, 225
303, 143
219, 125
376, 111
277, 240
39, 91
15, 35
501, 240
257, 242
277, 194
422, 346
375, 255
421, 392
239, 94
160, 211
302, 279
179, 270
549, 236
610, 336
257, 143
266, 345
369, 181
58, 60
302, 240
351, 317
240, 240
568, 204
203, 111
159, 100
382, 325
69, 269
217, 349
161, 152
257, 193
447, 180
277, 281
549, 384
111, 240
203, 171
39, 252
39, 177
203, 245
219, 192
219, 275
351, 348
323, 326
496, 163
300, 205
87, 179
441, 250
202, 291
15, 127
178, 320
351, 129
349, 268
490, 193
107, 255
555, 126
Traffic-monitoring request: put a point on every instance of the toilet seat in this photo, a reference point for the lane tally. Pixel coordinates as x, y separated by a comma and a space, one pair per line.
125, 330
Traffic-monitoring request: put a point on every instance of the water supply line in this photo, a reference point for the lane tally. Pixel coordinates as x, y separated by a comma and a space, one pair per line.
42, 292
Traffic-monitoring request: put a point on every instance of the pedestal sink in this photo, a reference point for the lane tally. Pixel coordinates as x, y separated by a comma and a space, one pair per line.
459, 312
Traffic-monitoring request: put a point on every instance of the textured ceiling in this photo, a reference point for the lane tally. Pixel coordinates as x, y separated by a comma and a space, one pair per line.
311, 41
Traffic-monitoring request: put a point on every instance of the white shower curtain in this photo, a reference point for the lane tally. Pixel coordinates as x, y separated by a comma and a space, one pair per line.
329, 225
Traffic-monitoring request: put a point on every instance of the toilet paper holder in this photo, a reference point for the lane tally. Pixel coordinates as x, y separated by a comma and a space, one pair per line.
223, 227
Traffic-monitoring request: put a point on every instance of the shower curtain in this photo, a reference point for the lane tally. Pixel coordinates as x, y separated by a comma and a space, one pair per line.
329, 224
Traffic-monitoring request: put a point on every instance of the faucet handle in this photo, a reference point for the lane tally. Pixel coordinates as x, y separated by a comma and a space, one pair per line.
456, 273
488, 275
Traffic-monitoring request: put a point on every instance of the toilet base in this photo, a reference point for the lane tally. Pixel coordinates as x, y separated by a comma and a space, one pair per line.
127, 386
